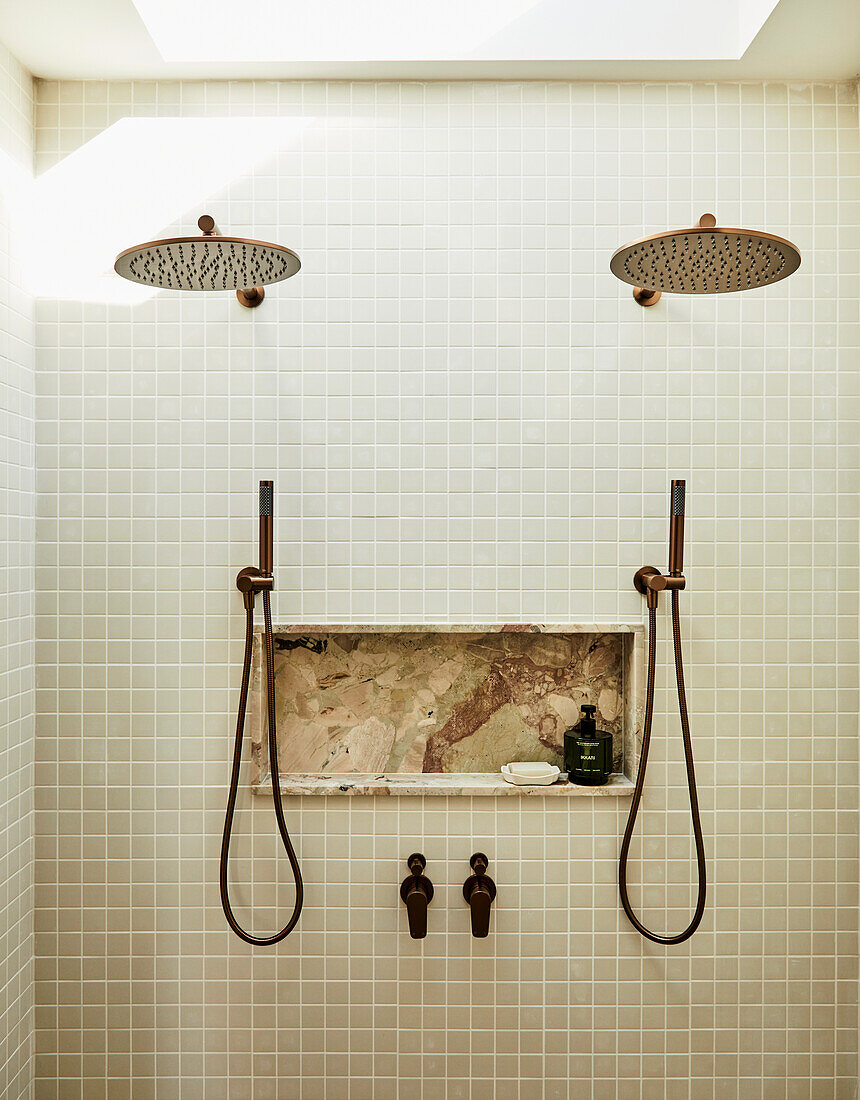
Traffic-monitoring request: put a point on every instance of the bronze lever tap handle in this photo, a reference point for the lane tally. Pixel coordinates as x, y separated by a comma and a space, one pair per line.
479, 890
416, 891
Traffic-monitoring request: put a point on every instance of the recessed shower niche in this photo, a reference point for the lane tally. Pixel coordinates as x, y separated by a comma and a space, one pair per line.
438, 709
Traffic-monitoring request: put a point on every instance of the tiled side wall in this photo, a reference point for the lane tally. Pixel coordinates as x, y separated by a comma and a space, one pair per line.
17, 498
467, 417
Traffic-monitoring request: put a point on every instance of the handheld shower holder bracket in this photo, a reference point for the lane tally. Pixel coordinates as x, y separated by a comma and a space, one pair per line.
252, 580
651, 582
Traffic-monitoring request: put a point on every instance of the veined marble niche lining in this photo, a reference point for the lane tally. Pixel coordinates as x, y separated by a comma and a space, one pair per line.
438, 709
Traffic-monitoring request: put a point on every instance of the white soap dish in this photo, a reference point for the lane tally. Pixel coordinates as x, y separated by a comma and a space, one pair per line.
530, 773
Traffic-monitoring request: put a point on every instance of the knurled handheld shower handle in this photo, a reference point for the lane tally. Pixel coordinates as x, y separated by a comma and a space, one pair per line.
267, 510
677, 507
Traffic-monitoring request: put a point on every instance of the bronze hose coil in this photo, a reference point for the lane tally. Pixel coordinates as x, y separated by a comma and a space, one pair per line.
640, 782
258, 941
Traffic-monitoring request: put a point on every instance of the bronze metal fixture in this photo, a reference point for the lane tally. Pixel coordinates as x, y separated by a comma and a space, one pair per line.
250, 581
479, 890
416, 892
706, 259
646, 297
267, 494
677, 507
210, 262
651, 582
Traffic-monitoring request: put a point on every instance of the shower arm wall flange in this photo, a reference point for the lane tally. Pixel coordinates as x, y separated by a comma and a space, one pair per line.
251, 296
646, 297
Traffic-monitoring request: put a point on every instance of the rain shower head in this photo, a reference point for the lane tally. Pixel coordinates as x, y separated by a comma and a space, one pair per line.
706, 259
210, 262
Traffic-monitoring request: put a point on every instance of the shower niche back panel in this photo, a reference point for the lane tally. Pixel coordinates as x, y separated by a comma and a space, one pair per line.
438, 709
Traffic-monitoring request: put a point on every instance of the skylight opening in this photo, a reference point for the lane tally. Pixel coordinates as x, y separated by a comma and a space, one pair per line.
450, 30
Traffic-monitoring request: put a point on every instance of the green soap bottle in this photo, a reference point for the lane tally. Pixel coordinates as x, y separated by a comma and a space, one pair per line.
588, 751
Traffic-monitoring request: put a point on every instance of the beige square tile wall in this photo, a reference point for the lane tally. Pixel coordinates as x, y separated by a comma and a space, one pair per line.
467, 417
17, 700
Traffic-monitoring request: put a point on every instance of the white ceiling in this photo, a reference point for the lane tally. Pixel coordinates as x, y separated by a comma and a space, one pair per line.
510, 39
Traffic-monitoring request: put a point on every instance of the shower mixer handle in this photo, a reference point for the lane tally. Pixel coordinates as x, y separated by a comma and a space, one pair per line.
416, 893
479, 891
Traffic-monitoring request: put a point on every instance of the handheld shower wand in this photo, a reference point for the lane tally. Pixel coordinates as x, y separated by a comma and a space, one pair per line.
677, 506
267, 508
651, 582
250, 581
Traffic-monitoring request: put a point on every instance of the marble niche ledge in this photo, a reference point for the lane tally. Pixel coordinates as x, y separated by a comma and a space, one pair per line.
435, 709
454, 628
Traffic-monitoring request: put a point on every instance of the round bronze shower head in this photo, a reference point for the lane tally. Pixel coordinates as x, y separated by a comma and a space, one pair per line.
210, 262
706, 259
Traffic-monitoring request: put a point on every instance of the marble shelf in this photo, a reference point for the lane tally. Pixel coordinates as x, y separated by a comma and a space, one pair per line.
454, 628
378, 708
453, 783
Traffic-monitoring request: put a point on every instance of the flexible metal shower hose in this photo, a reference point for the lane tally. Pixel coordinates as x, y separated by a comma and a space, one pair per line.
258, 941
640, 781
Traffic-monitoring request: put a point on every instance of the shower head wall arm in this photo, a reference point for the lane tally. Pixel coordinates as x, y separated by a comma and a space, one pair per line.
646, 297
250, 297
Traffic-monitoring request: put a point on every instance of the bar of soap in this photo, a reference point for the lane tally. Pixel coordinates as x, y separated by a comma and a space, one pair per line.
532, 769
